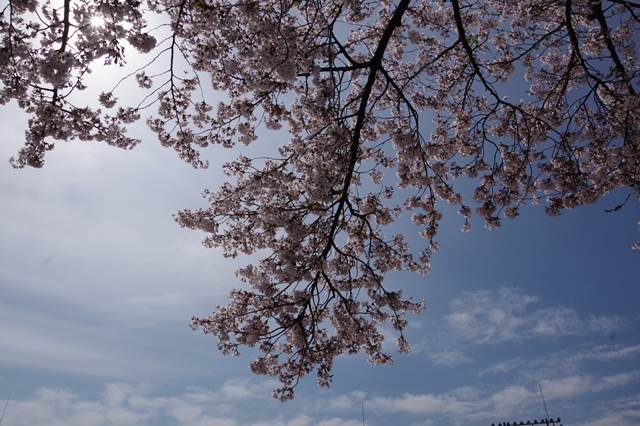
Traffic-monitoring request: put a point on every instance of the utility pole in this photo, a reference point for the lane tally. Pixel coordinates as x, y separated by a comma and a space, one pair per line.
363, 412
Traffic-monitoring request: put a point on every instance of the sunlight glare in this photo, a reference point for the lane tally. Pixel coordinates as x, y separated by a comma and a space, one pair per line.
97, 21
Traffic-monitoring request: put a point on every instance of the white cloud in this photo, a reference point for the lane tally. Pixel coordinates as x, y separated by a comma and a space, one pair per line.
304, 420
423, 404
568, 387
61, 408
477, 403
503, 367
440, 354
609, 353
346, 402
618, 380
233, 403
486, 317
94, 228
119, 405
459, 404
506, 315
563, 362
54, 346
86, 346
621, 412
244, 388
301, 420
336, 421
622, 418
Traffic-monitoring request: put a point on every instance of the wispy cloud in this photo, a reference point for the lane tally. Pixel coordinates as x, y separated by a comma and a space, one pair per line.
506, 315
476, 403
510, 314
94, 228
563, 361
621, 412
121, 404
91, 347
304, 420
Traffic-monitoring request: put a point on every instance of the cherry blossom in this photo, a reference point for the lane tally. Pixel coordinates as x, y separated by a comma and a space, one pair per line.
391, 109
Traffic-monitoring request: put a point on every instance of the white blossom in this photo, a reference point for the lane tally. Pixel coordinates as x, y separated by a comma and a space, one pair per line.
384, 114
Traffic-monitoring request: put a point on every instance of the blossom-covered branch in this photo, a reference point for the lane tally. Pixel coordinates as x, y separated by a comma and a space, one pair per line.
534, 101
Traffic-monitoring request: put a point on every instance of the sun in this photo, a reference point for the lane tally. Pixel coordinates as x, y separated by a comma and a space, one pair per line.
97, 21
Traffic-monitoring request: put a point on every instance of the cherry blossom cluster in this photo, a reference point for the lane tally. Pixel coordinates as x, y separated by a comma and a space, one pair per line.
391, 109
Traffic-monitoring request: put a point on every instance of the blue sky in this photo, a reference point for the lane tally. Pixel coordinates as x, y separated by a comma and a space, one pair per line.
98, 283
